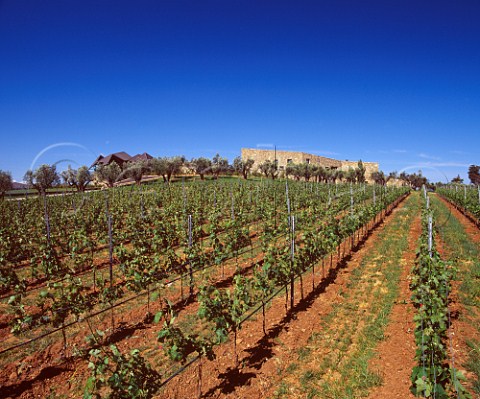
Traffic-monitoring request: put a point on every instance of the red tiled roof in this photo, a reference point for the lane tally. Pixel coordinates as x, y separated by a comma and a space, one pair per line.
140, 157
119, 157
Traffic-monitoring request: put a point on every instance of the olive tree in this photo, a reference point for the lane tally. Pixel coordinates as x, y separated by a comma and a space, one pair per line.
219, 165
360, 172
166, 166
404, 178
136, 170
269, 168
332, 175
43, 178
351, 175
457, 180
306, 170
243, 167
78, 178
5, 182
201, 166
474, 174
109, 173
297, 170
290, 169
320, 173
416, 180
379, 178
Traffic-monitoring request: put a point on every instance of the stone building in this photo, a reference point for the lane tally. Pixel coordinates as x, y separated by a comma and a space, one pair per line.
285, 157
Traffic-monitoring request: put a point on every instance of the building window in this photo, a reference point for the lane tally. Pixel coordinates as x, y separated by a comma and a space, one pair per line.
307, 160
289, 160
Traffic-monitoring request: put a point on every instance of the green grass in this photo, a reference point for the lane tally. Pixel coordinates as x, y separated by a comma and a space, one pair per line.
473, 363
281, 391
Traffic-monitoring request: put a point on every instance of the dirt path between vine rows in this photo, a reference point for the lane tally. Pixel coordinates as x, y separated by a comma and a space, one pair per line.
395, 357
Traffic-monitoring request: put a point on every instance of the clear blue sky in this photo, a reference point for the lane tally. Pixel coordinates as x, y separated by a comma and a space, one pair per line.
396, 82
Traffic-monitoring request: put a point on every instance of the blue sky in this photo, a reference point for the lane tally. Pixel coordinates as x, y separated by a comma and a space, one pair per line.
397, 82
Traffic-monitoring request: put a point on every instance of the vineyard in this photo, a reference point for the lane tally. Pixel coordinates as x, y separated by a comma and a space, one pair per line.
242, 288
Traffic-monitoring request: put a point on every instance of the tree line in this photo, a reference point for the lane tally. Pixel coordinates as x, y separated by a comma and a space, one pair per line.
47, 176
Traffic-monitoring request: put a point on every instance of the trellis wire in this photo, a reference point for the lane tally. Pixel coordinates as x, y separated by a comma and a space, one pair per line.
293, 237
351, 198
233, 205
110, 247
47, 218
184, 196
112, 306
129, 299
430, 236
104, 310
292, 250
190, 242
423, 344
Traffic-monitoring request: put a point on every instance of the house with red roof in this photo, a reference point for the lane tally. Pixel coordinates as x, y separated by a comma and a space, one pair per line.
120, 158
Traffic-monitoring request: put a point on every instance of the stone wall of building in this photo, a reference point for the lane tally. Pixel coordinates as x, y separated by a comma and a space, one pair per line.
285, 157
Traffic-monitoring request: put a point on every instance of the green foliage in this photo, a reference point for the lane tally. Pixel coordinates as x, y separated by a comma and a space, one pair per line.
360, 172
49, 261
109, 293
6, 182
63, 298
243, 167
238, 235
430, 285
225, 308
8, 276
150, 246
41, 179
219, 165
119, 375
200, 166
81, 248
178, 345
302, 170
109, 173
78, 178
269, 168
474, 174
263, 280
22, 321
135, 170
136, 267
464, 197
218, 254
